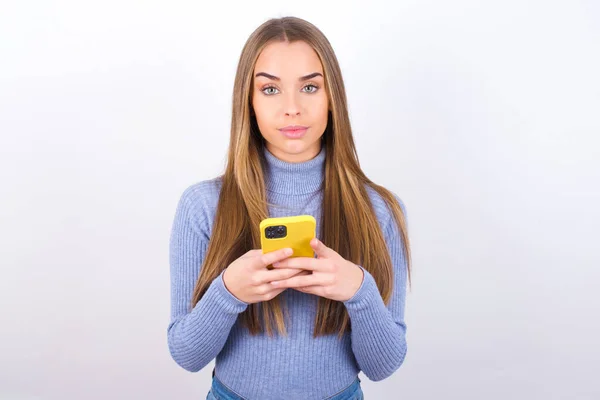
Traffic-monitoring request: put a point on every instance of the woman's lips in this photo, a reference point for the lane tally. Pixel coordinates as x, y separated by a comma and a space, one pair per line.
294, 131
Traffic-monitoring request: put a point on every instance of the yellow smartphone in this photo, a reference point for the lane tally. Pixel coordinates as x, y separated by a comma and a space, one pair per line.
295, 232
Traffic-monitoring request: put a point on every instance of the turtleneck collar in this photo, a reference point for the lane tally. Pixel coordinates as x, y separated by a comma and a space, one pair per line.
294, 178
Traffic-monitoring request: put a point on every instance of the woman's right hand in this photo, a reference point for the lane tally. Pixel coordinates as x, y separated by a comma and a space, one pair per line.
248, 278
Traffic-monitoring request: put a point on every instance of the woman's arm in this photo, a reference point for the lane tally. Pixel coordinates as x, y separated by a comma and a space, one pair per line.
196, 336
379, 331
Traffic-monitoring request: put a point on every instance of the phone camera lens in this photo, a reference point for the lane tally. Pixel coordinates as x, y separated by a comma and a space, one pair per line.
274, 232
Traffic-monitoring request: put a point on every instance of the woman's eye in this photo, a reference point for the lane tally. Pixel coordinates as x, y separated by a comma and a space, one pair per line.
269, 90
313, 88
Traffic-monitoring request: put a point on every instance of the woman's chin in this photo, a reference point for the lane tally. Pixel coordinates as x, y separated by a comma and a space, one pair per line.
295, 150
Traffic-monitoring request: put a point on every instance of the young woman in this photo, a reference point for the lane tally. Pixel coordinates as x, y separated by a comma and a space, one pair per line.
307, 327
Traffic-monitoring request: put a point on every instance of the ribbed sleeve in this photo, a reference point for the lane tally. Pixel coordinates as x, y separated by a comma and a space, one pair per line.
196, 336
379, 331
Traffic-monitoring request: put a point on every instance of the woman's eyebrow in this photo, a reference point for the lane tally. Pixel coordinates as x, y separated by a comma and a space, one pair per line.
276, 78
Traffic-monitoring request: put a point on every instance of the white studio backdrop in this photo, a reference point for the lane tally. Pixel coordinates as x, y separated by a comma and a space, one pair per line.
482, 116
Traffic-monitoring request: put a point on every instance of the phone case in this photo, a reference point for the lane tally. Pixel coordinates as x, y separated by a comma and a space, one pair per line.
300, 230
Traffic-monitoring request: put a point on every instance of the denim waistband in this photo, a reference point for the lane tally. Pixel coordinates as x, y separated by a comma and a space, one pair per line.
222, 392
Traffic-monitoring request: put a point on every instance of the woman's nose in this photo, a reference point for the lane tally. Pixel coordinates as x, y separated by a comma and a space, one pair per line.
291, 106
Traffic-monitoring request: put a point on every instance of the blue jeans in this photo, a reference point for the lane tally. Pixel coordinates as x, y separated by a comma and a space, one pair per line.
219, 391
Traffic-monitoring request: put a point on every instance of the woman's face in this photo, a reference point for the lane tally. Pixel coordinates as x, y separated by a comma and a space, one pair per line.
289, 100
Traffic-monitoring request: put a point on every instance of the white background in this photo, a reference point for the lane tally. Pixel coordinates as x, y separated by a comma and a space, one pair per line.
482, 116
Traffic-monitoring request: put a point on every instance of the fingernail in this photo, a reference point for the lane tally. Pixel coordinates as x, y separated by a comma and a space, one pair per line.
288, 252
276, 264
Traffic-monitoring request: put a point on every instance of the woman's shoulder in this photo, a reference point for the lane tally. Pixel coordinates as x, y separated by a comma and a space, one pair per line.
203, 191
199, 200
380, 206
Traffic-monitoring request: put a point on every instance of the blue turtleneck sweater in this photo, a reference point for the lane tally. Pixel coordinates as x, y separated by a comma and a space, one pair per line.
296, 366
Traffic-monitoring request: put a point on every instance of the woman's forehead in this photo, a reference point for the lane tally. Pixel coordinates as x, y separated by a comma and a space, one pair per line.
288, 60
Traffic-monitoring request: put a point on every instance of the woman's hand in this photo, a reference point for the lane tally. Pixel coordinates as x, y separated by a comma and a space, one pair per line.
332, 276
248, 278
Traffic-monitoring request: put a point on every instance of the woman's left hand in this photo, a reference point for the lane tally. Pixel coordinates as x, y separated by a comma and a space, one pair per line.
332, 276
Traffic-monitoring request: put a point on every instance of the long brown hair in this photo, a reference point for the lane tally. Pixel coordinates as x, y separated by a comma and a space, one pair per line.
349, 224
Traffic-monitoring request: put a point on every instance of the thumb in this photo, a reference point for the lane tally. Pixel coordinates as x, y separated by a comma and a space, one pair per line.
253, 253
320, 249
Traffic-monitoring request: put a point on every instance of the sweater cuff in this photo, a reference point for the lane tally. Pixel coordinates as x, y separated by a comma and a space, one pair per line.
365, 293
223, 297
